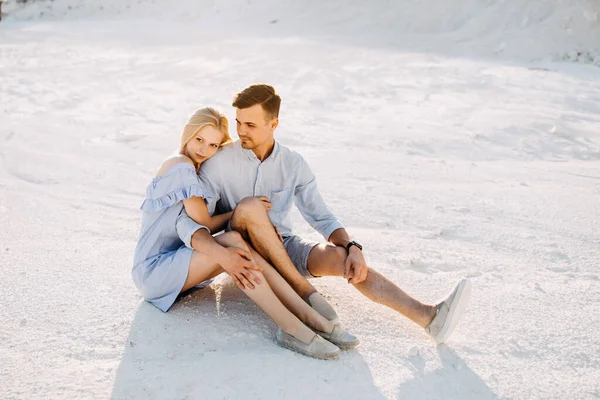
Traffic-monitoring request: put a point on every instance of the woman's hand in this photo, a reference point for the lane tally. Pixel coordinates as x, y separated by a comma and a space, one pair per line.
239, 264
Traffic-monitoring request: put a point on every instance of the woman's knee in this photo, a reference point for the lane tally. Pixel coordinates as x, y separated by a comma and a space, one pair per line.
231, 239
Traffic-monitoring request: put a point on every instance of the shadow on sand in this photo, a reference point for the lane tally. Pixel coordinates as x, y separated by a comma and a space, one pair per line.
216, 344
454, 380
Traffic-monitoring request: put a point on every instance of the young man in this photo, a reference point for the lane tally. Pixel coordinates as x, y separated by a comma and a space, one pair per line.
256, 169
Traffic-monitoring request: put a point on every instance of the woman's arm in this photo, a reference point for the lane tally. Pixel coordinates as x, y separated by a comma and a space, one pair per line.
196, 208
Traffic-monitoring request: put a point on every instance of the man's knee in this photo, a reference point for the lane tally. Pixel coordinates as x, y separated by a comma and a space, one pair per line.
327, 260
249, 204
244, 211
338, 257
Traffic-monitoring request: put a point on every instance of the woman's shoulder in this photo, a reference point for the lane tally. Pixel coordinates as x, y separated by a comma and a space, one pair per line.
173, 161
176, 180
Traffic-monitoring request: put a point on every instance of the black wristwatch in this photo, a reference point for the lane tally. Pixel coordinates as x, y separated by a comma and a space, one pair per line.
353, 243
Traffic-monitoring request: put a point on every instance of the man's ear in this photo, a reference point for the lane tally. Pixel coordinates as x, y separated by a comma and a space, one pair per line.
274, 123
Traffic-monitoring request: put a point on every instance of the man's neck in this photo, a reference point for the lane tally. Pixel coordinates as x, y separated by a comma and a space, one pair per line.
264, 150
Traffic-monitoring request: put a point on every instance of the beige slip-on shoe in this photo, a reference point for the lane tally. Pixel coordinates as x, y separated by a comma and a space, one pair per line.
317, 348
318, 302
340, 338
449, 312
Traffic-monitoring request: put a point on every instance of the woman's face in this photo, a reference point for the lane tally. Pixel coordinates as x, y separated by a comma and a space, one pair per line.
204, 145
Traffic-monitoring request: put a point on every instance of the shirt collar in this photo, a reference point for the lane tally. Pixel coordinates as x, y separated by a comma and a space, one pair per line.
251, 156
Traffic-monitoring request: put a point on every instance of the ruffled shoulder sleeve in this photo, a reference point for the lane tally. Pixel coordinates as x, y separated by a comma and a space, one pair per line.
179, 183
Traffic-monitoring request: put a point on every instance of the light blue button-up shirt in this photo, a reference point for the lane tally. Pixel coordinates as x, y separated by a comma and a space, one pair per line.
284, 177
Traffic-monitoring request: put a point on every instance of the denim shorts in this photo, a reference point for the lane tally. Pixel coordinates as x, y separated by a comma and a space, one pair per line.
298, 249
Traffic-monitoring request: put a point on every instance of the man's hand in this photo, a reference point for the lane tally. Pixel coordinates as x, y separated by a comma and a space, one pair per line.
356, 268
239, 265
266, 203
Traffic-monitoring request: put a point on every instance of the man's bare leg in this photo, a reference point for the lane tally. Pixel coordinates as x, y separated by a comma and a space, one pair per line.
328, 260
251, 220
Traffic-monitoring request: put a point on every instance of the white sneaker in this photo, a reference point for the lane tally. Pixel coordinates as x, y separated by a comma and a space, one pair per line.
318, 302
317, 348
449, 312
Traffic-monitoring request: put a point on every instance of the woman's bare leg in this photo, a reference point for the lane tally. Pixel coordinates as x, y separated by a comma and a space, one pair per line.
290, 298
202, 268
264, 297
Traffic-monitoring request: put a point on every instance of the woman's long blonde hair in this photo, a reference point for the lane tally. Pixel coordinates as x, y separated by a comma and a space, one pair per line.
201, 118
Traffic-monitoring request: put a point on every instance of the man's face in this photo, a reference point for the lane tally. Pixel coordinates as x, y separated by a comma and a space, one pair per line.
253, 127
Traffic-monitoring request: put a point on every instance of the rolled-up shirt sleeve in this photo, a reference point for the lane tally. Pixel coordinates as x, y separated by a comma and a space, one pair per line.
186, 227
309, 201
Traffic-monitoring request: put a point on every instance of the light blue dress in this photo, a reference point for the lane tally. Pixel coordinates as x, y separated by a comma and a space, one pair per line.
162, 255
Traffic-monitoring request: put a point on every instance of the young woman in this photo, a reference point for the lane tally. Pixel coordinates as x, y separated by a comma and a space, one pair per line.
165, 266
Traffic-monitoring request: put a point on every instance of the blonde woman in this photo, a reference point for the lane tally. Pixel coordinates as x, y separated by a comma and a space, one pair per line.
168, 260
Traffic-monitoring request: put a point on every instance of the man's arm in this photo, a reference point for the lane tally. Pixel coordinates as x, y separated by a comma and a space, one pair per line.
315, 212
340, 237
309, 201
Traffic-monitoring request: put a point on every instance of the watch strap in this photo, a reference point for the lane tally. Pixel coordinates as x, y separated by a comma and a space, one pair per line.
353, 243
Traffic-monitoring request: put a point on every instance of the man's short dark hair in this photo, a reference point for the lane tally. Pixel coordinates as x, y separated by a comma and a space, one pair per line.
262, 94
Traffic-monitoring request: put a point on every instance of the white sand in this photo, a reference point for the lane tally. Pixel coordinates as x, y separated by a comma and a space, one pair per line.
448, 139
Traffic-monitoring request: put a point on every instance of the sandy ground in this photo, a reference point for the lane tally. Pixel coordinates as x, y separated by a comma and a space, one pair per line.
442, 164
